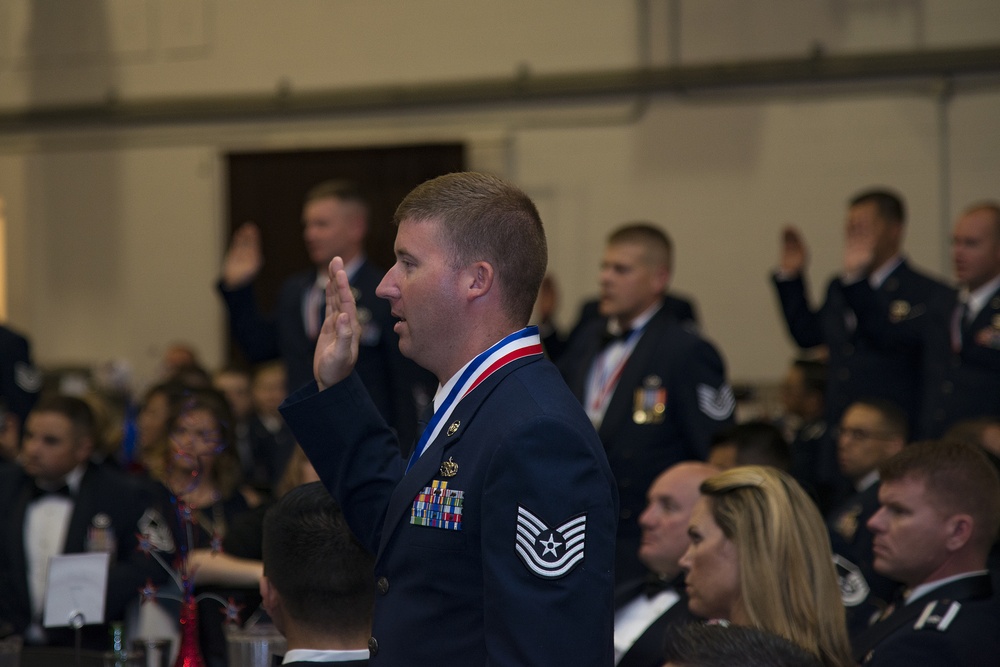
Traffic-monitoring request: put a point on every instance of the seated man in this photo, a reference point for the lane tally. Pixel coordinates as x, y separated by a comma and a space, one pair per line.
317, 580
870, 432
645, 608
57, 502
939, 516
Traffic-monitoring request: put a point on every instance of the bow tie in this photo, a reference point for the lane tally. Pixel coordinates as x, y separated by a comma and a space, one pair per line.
38, 492
653, 584
607, 337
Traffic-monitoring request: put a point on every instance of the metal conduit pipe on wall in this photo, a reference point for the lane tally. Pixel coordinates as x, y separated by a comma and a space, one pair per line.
768, 76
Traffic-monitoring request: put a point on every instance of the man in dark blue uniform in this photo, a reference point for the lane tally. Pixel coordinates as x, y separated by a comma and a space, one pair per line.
870, 433
871, 321
939, 516
495, 538
335, 221
58, 502
654, 389
963, 346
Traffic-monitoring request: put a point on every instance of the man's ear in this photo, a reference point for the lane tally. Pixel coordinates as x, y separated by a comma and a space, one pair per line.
268, 594
959, 531
481, 276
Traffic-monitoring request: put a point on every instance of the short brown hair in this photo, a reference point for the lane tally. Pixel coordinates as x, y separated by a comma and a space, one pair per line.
959, 476
658, 246
344, 190
485, 218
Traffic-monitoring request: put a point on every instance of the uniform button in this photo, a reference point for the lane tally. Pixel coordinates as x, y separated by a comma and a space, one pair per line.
947, 387
624, 484
383, 585
626, 514
844, 374
373, 646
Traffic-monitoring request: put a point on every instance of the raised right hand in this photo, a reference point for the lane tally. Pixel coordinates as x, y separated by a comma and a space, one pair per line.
244, 258
340, 335
793, 252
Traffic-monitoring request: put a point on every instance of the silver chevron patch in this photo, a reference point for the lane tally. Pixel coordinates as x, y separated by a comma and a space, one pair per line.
547, 552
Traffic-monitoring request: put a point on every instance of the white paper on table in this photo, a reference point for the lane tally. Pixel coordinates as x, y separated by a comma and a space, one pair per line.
76, 585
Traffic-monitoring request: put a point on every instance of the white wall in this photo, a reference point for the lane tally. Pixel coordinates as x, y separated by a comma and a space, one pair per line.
114, 235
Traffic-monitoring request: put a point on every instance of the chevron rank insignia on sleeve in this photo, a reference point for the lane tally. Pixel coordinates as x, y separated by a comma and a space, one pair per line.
716, 403
547, 552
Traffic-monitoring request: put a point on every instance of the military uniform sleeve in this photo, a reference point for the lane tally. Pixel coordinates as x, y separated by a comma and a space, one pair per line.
256, 334
549, 520
802, 321
352, 448
703, 400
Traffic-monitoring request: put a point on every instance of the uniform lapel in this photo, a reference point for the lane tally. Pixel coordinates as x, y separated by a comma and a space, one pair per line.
429, 464
620, 406
83, 510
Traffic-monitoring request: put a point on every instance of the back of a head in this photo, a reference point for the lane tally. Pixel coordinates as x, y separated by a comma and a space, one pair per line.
485, 218
889, 204
323, 574
718, 645
757, 443
960, 479
787, 577
814, 375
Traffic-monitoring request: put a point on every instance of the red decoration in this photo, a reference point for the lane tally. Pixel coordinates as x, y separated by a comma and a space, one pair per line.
189, 654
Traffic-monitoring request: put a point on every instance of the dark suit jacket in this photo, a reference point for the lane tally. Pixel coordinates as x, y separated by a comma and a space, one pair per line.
20, 381
882, 356
102, 491
690, 370
389, 377
917, 633
467, 596
962, 384
647, 651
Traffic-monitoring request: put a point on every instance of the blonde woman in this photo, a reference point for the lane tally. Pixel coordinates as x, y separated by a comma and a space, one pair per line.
760, 556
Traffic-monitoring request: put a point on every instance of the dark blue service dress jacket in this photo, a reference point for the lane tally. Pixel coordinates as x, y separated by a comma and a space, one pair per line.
524, 489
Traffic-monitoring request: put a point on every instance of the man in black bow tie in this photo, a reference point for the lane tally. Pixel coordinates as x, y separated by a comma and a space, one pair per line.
646, 607
654, 389
57, 502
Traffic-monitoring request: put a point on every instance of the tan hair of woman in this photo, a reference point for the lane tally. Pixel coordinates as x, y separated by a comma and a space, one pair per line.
760, 556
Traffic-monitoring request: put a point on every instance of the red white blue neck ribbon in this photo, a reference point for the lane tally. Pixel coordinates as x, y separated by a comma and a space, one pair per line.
518, 345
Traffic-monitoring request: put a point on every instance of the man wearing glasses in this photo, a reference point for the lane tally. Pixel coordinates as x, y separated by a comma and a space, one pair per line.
871, 431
